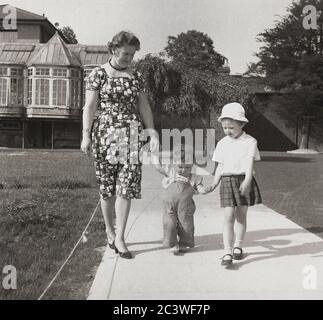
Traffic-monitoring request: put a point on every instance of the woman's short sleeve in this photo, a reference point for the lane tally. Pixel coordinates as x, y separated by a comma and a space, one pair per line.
94, 80
142, 84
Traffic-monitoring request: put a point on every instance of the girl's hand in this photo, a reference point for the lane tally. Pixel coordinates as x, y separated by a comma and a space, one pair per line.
86, 145
244, 188
209, 189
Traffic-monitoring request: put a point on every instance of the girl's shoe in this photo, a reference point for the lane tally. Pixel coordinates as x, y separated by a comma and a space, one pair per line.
237, 253
226, 259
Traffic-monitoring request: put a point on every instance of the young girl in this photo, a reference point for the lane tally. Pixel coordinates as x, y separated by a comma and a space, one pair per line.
180, 185
235, 154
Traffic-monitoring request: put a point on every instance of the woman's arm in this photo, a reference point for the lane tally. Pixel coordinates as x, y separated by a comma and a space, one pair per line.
91, 98
148, 119
158, 165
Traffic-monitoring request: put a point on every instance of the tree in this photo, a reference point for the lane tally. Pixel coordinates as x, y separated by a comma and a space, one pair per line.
291, 58
68, 34
193, 49
189, 92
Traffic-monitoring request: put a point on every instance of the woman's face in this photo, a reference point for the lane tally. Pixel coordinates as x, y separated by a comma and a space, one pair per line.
232, 128
123, 56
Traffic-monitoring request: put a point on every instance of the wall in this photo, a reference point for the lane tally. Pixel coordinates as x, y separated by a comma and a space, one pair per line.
29, 33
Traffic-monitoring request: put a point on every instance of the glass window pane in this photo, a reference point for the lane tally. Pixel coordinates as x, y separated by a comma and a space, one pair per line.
42, 92
59, 92
3, 71
29, 98
3, 92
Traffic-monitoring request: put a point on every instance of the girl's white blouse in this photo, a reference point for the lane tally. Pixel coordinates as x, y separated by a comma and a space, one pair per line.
235, 153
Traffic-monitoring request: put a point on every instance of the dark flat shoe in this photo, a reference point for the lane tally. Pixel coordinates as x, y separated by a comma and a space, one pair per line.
226, 262
237, 255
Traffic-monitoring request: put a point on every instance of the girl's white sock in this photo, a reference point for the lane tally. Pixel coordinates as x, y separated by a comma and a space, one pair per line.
228, 250
238, 243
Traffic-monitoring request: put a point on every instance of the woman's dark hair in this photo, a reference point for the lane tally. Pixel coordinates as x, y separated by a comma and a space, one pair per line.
123, 38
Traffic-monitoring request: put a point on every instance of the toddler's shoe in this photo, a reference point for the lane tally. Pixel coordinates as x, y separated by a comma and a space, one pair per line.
183, 249
175, 250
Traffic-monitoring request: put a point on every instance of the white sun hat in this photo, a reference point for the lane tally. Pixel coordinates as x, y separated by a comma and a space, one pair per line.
235, 111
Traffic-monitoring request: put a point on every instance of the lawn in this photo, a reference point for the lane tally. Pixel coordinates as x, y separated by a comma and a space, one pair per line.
292, 184
46, 200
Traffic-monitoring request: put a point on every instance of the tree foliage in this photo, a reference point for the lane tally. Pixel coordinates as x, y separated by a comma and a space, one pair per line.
195, 50
186, 81
291, 58
68, 34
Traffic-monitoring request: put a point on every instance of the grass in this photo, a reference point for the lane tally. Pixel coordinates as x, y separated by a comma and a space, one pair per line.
46, 200
293, 186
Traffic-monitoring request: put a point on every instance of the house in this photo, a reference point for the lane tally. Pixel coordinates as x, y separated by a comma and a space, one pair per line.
42, 83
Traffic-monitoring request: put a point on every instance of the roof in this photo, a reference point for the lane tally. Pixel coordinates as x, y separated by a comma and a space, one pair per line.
15, 53
21, 14
54, 52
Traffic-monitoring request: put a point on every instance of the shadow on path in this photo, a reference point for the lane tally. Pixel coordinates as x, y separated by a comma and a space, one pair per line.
275, 248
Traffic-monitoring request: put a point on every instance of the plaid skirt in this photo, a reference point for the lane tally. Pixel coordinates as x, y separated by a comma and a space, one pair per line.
230, 195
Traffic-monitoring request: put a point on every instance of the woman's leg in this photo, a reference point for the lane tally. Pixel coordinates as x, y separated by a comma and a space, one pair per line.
122, 207
228, 229
241, 225
108, 211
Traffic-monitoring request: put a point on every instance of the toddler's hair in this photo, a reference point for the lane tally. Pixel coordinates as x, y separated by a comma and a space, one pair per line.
183, 153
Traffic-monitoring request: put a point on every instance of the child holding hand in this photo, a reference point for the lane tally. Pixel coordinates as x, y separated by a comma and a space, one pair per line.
180, 185
235, 154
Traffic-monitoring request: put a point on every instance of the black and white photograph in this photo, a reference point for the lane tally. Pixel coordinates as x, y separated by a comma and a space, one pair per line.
161, 150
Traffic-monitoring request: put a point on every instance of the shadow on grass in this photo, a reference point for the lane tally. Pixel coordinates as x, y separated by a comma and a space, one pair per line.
315, 229
285, 159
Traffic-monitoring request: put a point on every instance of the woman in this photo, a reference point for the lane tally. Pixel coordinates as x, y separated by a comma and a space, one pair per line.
115, 134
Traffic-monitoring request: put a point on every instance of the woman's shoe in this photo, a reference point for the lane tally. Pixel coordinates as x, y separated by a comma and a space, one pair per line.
124, 255
112, 245
226, 262
237, 255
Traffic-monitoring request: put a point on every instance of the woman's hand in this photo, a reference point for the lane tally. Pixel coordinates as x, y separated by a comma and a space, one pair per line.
154, 143
86, 145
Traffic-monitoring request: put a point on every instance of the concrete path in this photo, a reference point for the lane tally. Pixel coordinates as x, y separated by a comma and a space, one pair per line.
283, 260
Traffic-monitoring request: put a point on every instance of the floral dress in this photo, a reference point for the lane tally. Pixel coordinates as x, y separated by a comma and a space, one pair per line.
117, 134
